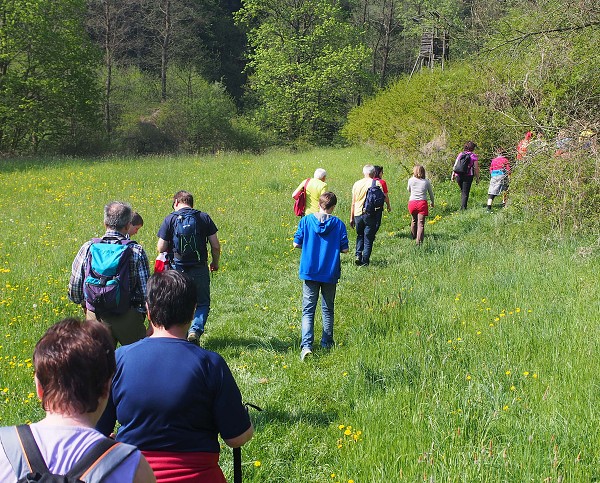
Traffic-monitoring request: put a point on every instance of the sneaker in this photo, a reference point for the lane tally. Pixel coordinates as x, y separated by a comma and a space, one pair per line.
305, 352
358, 260
194, 337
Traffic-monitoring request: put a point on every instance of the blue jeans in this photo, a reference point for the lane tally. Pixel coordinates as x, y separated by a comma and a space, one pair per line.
201, 276
366, 229
310, 296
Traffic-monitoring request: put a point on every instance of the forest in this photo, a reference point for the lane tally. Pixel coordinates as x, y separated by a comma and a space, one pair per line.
185, 76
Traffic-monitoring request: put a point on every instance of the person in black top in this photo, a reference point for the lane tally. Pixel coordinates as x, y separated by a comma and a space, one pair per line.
186, 232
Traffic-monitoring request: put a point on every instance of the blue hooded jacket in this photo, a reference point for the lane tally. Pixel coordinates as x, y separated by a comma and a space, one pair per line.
322, 238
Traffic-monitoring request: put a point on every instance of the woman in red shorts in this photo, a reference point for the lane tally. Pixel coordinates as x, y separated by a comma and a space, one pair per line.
419, 187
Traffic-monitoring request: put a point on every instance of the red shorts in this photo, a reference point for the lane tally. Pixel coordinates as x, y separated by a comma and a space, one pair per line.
418, 207
172, 467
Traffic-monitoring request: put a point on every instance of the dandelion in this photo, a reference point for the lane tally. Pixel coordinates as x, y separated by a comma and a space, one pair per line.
513, 388
257, 463
526, 373
468, 377
341, 426
348, 432
505, 407
507, 373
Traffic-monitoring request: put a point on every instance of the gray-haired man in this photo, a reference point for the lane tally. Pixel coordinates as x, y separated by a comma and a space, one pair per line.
129, 326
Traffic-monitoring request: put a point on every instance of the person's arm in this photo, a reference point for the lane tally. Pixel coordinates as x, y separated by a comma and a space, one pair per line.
162, 245
144, 473
77, 275
297, 246
298, 189
241, 439
430, 191
143, 274
215, 252
387, 202
352, 209
476, 166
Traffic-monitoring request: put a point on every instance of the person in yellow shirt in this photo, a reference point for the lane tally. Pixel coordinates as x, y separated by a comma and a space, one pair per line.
366, 225
314, 189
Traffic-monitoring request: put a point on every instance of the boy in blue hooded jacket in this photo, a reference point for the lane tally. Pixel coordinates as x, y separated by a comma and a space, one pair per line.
322, 237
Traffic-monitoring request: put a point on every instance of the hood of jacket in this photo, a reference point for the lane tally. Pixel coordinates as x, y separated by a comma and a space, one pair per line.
320, 223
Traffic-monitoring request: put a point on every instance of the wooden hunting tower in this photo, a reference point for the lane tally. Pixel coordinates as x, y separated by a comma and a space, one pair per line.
434, 48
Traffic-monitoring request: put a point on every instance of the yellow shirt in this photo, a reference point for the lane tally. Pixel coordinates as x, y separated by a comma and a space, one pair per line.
314, 189
359, 193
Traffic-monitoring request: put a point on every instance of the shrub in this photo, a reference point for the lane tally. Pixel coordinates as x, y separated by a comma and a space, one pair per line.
559, 189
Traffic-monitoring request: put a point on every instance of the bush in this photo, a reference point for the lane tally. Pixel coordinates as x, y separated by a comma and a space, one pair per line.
561, 190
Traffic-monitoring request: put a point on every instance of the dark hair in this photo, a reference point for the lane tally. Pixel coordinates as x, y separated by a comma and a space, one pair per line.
470, 146
378, 171
74, 364
184, 197
136, 219
171, 298
117, 214
327, 200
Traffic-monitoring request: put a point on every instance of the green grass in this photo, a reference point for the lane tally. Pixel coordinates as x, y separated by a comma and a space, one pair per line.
470, 358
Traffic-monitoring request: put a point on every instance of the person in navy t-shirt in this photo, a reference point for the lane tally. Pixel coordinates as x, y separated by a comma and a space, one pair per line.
173, 398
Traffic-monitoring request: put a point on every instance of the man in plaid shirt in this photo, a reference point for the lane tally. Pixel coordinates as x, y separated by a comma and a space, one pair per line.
128, 327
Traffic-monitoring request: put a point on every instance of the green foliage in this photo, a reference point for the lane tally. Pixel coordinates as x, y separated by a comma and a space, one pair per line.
561, 190
199, 116
306, 66
49, 92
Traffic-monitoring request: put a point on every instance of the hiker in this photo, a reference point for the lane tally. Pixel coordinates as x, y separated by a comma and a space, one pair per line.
185, 232
379, 177
365, 223
136, 223
466, 167
419, 187
315, 187
126, 321
73, 364
173, 398
321, 237
499, 178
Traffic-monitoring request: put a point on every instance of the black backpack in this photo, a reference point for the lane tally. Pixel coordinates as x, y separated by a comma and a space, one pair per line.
185, 237
463, 163
29, 465
374, 200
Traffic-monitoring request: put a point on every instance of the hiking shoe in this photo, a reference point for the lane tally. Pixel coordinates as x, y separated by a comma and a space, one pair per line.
194, 337
305, 352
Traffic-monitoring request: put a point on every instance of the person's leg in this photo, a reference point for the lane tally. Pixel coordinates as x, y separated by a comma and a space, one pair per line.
490, 201
413, 225
465, 188
360, 237
420, 228
327, 308
371, 227
201, 277
310, 296
125, 328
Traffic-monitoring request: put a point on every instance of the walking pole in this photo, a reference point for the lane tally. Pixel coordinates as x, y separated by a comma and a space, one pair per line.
237, 465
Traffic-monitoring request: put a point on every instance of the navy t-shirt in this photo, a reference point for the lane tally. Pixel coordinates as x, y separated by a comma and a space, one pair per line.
205, 227
170, 395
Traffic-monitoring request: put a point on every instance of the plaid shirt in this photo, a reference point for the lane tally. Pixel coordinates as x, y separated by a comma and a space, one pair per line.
139, 271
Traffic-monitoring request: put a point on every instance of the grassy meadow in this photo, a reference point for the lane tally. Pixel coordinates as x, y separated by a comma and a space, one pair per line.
471, 358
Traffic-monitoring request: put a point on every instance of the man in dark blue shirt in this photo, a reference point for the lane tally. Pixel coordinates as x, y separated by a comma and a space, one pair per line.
185, 232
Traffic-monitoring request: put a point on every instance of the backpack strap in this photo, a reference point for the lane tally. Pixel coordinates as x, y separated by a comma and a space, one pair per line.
25, 457
101, 460
306, 183
22, 451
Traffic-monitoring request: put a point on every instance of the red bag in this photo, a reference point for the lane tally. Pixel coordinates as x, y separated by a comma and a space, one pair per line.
300, 203
162, 263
